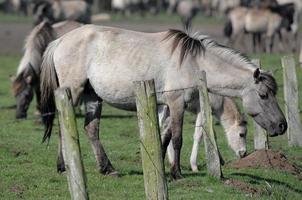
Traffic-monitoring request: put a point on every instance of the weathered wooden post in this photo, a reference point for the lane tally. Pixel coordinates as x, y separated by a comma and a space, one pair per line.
211, 149
72, 152
260, 136
294, 130
300, 57
151, 149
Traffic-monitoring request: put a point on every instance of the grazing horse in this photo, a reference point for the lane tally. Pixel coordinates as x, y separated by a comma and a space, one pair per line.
27, 78
92, 61
226, 111
187, 10
56, 11
296, 23
258, 21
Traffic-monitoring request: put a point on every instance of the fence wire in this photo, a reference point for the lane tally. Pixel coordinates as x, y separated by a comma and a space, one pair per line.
131, 97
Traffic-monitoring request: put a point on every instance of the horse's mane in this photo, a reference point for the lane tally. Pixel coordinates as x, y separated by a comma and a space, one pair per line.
35, 45
199, 44
196, 44
269, 81
285, 10
37, 4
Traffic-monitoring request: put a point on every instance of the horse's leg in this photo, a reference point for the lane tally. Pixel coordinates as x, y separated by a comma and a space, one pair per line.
281, 46
170, 152
176, 113
93, 107
197, 137
164, 123
258, 38
270, 38
254, 35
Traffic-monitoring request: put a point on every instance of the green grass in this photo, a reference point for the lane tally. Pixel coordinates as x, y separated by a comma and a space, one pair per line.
135, 18
11, 18
28, 167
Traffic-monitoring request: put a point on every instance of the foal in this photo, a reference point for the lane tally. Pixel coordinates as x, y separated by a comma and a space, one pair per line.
226, 111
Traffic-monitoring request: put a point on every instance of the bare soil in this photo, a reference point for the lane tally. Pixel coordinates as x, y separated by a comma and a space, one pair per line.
267, 159
244, 187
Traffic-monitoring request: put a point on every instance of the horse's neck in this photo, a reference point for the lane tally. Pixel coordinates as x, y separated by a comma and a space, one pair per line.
32, 56
229, 115
227, 77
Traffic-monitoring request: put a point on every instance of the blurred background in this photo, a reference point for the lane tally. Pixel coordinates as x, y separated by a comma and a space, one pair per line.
263, 29
247, 25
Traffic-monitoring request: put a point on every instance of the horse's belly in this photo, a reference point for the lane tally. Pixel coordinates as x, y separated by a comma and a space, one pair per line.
255, 24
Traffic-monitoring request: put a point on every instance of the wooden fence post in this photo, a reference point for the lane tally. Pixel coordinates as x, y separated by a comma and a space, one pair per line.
294, 130
72, 152
260, 135
211, 149
300, 57
151, 148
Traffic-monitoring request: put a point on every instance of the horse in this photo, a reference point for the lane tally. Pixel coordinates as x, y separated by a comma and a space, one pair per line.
28, 72
226, 111
56, 11
187, 10
257, 21
93, 63
296, 23
270, 22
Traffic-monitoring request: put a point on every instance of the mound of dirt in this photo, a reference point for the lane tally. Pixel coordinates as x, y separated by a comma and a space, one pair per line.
266, 159
245, 187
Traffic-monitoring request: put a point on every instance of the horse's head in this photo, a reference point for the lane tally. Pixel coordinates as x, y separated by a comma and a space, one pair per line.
287, 12
259, 101
43, 12
22, 88
236, 136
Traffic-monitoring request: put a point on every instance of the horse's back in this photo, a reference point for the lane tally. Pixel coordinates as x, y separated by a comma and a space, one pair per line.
109, 58
64, 27
257, 20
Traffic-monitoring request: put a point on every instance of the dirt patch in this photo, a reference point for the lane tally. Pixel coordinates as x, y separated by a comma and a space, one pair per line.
18, 153
245, 187
267, 159
18, 190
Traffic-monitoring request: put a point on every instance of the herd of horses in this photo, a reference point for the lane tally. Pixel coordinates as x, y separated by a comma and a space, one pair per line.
100, 63
268, 20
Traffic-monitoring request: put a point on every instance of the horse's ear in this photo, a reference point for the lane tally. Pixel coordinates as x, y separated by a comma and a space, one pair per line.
257, 74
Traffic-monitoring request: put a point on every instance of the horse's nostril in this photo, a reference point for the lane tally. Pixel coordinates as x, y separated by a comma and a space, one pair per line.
242, 154
242, 134
283, 127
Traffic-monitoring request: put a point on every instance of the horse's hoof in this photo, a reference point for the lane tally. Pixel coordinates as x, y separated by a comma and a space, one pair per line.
176, 176
113, 174
61, 169
194, 169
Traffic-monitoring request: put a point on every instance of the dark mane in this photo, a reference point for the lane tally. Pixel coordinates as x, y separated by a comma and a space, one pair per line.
199, 44
189, 45
269, 81
40, 37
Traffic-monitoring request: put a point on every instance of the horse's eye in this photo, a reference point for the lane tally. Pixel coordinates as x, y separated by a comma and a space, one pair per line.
263, 96
243, 123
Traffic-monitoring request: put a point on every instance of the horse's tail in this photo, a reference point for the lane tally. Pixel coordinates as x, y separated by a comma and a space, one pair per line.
49, 83
228, 29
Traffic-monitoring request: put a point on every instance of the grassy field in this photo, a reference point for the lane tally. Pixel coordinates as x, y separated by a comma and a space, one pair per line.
161, 17
28, 167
